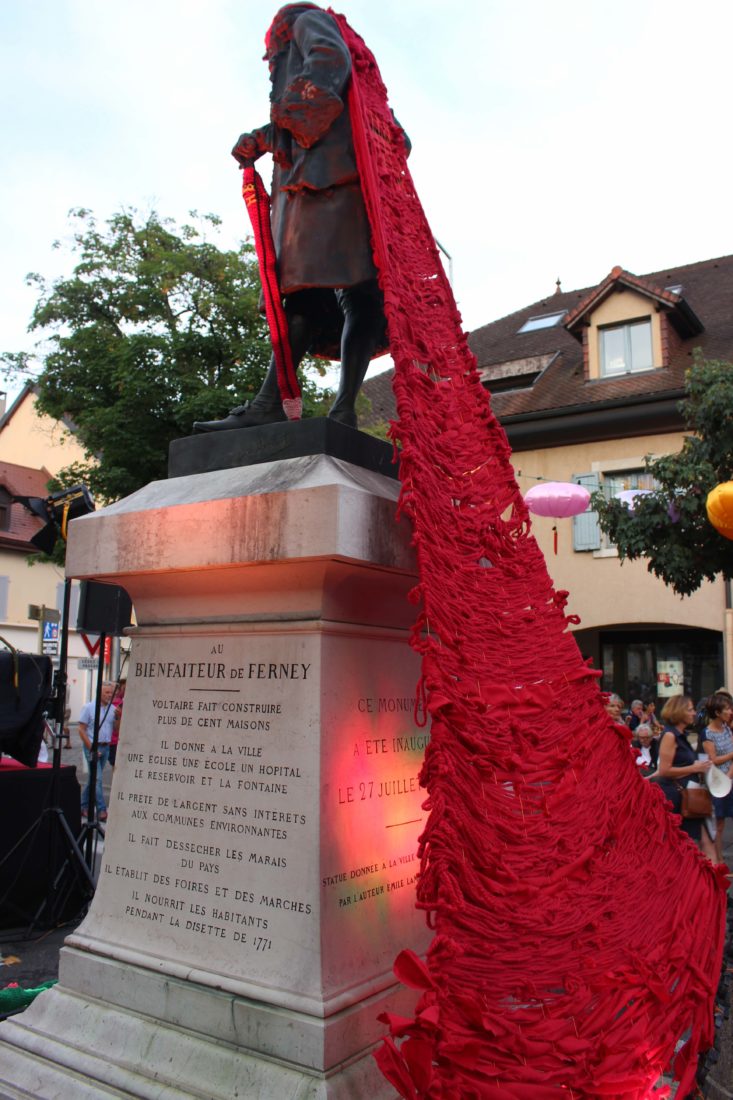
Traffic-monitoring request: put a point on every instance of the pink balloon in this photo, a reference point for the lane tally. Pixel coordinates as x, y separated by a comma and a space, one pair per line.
558, 499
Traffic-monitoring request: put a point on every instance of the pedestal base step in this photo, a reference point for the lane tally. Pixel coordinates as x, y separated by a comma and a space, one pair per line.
65, 1047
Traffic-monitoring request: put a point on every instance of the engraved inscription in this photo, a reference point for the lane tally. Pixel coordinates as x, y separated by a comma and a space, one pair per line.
259, 820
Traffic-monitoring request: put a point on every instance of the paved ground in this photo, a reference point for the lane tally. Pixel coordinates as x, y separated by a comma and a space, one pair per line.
31, 962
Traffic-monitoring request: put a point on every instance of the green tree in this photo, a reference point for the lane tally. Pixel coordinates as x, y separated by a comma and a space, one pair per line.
669, 526
155, 327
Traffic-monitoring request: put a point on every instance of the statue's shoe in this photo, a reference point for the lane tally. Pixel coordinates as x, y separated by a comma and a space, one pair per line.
244, 416
344, 416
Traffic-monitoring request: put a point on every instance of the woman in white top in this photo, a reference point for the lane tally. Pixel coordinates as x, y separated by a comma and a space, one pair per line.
717, 741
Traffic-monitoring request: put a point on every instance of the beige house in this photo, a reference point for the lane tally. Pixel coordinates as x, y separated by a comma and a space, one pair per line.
33, 448
586, 383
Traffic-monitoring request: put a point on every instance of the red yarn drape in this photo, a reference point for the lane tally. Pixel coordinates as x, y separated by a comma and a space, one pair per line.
578, 932
257, 202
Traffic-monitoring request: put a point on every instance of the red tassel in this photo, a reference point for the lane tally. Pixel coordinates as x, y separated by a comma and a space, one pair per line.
258, 205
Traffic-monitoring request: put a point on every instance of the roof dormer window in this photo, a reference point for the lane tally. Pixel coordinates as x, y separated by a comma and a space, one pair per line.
542, 320
625, 349
5, 504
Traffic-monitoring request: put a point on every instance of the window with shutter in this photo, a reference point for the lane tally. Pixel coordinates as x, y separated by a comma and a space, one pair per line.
586, 530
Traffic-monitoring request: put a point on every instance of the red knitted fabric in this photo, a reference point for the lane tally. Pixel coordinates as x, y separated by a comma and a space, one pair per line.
257, 202
578, 932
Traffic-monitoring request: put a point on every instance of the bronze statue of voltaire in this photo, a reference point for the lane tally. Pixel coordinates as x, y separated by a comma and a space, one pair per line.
320, 229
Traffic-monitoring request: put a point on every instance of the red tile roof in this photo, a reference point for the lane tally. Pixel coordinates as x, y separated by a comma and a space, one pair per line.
707, 288
617, 276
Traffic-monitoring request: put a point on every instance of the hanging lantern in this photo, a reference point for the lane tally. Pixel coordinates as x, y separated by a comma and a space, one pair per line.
628, 496
719, 505
558, 499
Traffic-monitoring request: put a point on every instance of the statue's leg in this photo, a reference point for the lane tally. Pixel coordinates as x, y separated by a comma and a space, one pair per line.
266, 407
363, 331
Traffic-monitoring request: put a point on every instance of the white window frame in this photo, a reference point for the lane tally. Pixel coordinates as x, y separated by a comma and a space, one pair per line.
542, 320
625, 328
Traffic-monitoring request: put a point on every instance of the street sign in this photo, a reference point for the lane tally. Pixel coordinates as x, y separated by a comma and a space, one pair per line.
92, 646
87, 663
50, 638
48, 614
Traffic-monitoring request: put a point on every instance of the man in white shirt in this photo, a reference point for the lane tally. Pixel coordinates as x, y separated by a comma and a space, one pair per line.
107, 720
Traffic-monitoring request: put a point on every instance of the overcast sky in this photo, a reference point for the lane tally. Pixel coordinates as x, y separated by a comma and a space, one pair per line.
549, 139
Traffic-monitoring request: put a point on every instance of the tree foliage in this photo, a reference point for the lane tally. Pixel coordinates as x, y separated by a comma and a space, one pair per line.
155, 327
669, 526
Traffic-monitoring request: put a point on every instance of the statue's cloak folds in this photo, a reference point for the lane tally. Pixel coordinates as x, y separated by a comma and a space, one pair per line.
545, 853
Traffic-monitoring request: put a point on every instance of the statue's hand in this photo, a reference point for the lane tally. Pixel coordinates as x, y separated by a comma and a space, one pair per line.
247, 148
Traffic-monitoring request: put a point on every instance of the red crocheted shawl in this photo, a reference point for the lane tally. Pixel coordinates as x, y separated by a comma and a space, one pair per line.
578, 931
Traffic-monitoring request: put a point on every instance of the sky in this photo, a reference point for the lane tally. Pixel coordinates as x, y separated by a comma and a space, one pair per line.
550, 140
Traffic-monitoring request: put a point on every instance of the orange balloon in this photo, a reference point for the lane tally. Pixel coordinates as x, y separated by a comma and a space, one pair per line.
719, 506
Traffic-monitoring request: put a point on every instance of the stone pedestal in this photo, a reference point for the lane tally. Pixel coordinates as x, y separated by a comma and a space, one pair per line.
260, 857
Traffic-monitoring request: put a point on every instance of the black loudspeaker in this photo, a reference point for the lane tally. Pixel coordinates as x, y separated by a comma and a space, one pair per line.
25, 692
103, 609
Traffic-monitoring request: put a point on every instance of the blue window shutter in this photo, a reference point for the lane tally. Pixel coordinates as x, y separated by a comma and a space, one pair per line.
586, 531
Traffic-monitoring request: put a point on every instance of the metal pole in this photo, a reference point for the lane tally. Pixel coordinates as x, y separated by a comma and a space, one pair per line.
728, 636
92, 804
116, 660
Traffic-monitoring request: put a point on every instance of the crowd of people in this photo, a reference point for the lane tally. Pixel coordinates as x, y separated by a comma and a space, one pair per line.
679, 750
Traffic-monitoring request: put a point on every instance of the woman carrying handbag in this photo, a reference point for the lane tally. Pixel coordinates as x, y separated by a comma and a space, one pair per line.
678, 764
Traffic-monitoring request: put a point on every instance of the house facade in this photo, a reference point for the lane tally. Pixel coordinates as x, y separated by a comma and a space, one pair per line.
33, 448
587, 383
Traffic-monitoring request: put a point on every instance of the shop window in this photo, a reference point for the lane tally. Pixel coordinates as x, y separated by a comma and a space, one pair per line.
631, 666
625, 349
656, 664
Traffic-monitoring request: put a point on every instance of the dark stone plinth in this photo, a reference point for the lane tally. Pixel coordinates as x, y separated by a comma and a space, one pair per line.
200, 454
